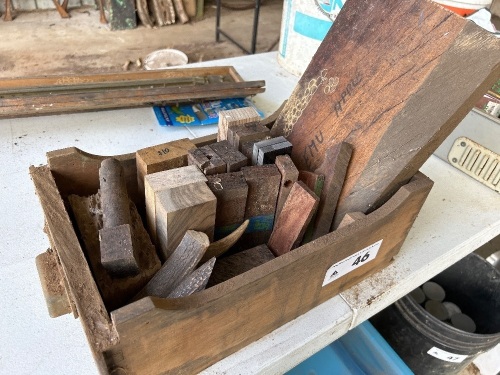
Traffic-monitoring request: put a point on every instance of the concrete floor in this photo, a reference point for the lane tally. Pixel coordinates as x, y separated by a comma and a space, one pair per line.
38, 43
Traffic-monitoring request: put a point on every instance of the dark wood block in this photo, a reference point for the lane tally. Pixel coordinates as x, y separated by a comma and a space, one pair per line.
231, 191
231, 156
236, 264
253, 131
207, 160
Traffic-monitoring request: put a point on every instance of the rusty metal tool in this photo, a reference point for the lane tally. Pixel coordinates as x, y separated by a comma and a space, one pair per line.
116, 245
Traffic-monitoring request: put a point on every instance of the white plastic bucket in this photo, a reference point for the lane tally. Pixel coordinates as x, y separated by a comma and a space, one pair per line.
464, 7
304, 25
164, 59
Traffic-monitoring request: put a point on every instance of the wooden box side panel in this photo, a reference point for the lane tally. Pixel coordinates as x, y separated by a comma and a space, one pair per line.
80, 283
196, 331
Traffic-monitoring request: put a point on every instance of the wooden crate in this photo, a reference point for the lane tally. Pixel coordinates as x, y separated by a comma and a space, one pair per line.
191, 333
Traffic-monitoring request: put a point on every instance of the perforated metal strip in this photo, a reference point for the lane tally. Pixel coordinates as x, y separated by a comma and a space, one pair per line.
476, 161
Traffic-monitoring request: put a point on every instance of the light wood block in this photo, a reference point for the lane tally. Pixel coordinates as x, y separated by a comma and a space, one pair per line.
289, 175
234, 117
178, 209
169, 179
161, 157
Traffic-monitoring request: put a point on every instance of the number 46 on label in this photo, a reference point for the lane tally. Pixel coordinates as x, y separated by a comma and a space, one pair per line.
352, 262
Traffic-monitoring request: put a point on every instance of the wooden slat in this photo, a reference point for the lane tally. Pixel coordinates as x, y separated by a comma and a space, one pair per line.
334, 168
50, 83
289, 176
296, 215
178, 266
392, 86
122, 98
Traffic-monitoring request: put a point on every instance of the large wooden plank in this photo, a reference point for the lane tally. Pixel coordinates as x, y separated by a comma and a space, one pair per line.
393, 79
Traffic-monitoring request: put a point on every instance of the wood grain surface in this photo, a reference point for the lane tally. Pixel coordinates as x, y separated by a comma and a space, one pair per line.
169, 179
239, 311
334, 168
295, 216
393, 79
232, 157
161, 157
231, 191
289, 175
207, 160
234, 117
178, 209
195, 281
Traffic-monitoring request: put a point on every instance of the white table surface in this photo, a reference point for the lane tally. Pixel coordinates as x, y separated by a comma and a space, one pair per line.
458, 216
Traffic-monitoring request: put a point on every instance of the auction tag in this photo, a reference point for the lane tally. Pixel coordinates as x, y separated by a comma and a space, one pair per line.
352, 262
446, 356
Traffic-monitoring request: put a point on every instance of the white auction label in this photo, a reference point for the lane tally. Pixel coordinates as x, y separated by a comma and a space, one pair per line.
352, 262
446, 356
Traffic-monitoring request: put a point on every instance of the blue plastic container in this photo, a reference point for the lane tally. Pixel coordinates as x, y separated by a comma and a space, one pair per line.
361, 351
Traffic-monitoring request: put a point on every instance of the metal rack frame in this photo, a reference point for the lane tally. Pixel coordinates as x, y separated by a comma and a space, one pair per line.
219, 31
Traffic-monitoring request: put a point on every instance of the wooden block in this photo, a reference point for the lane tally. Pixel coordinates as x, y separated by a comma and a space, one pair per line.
231, 191
263, 188
289, 175
161, 157
296, 215
233, 117
334, 168
181, 208
265, 152
207, 160
231, 156
314, 182
246, 148
54, 290
183, 261
253, 131
194, 282
236, 264
350, 218
168, 179
394, 105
